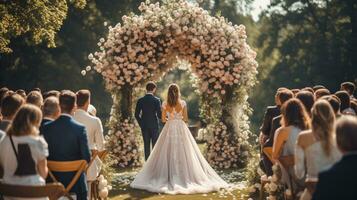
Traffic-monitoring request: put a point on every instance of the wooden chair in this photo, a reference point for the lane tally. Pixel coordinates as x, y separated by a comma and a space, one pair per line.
287, 162
310, 184
262, 184
53, 191
78, 166
101, 155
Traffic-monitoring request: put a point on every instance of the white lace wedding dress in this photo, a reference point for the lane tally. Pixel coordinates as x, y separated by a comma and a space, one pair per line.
176, 165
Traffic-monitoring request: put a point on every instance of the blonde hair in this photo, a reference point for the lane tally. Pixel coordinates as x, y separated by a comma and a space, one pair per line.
322, 122
173, 95
26, 121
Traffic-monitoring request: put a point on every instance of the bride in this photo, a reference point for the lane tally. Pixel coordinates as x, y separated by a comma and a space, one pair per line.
176, 165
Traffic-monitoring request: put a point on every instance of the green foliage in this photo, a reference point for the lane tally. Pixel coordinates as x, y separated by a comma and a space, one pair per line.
37, 20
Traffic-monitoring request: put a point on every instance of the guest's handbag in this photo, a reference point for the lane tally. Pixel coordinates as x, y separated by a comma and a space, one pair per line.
25, 164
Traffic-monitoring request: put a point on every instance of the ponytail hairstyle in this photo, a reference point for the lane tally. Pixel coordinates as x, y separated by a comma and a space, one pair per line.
173, 95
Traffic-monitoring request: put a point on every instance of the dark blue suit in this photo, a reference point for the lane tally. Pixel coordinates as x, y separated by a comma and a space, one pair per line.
147, 113
43, 123
67, 141
339, 182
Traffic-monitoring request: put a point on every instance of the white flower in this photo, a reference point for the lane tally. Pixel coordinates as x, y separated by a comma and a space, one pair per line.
83, 72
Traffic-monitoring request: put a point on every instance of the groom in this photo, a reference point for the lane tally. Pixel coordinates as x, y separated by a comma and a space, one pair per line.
148, 113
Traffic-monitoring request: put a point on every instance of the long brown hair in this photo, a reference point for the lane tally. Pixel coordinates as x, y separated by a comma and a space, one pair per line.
173, 95
26, 122
322, 122
294, 114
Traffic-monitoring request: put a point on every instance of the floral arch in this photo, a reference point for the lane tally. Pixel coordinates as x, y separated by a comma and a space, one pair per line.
144, 47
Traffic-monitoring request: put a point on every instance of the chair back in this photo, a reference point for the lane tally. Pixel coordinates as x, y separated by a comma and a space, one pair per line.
52, 190
77, 166
310, 184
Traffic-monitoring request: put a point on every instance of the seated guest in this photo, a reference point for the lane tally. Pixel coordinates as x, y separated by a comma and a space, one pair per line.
345, 103
35, 98
67, 141
295, 91
321, 92
315, 149
335, 103
93, 124
51, 93
9, 107
51, 110
339, 182
294, 120
349, 87
23, 152
307, 99
21, 92
308, 89
317, 87
283, 96
37, 89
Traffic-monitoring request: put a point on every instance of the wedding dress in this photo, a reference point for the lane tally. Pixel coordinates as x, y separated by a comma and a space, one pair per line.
176, 165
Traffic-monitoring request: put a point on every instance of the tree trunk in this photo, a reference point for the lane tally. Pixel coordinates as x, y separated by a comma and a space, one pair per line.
126, 103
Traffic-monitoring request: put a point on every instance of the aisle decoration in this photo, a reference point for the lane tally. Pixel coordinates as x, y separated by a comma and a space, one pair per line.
144, 47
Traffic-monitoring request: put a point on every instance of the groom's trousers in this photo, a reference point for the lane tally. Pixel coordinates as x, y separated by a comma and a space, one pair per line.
150, 136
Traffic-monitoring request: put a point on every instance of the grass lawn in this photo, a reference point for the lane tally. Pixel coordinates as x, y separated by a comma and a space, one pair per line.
123, 177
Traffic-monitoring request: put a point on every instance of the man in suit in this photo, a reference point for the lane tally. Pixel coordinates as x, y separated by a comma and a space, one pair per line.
51, 110
283, 95
339, 182
147, 113
67, 141
9, 106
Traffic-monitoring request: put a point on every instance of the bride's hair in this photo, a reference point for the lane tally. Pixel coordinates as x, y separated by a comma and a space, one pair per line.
173, 95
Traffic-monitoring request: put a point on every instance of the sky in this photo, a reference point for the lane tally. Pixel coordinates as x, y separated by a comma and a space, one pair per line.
258, 6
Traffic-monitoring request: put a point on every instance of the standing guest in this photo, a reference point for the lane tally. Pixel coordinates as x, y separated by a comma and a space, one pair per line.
307, 99
316, 149
283, 96
9, 107
21, 92
349, 87
51, 93
93, 124
345, 103
294, 120
67, 141
35, 98
23, 152
317, 87
321, 92
51, 110
335, 104
148, 113
339, 182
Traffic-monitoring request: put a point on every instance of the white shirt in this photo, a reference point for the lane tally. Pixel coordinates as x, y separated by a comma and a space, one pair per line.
94, 129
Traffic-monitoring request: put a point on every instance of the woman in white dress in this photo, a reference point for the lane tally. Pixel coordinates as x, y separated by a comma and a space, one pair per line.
176, 165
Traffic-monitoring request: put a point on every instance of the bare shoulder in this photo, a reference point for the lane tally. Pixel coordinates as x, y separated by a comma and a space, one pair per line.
305, 139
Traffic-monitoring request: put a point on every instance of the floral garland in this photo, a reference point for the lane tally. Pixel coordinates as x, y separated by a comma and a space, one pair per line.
144, 47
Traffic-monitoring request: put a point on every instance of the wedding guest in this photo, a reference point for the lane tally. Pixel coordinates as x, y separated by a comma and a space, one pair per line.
294, 120
339, 182
354, 105
321, 92
37, 89
308, 89
307, 99
317, 87
316, 149
93, 124
283, 96
349, 87
3, 92
295, 91
21, 92
67, 141
51, 93
23, 152
51, 110
35, 98
345, 103
92, 110
9, 107
335, 104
